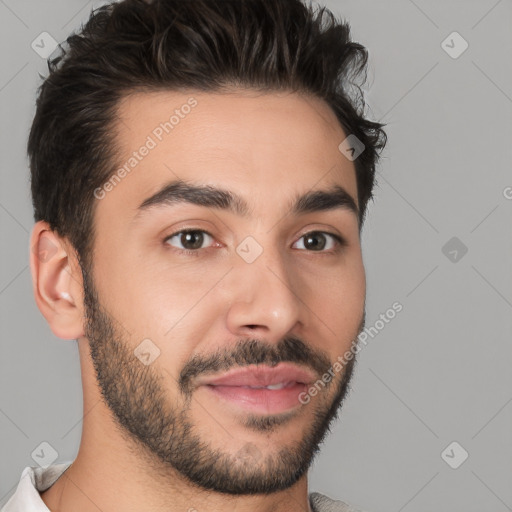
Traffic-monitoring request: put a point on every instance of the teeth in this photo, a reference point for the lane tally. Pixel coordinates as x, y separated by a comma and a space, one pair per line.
276, 386
281, 385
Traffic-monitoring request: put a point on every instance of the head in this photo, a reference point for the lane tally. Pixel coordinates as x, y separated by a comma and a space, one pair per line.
192, 201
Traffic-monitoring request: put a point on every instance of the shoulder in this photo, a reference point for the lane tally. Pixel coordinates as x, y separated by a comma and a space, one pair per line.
322, 503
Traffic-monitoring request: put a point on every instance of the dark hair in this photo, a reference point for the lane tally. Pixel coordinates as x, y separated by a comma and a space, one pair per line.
207, 45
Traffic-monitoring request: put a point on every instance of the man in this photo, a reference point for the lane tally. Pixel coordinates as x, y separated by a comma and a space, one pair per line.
200, 176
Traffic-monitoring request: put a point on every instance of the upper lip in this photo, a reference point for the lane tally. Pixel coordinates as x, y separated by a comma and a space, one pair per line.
261, 375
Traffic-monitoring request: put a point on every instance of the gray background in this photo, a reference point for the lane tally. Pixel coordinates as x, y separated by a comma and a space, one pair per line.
437, 373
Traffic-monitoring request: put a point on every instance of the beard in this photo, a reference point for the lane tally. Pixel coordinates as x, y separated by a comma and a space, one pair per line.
162, 431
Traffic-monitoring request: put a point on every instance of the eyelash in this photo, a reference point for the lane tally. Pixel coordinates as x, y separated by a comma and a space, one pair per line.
340, 242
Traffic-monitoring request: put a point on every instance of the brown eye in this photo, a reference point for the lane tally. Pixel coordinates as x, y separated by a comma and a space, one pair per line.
189, 240
320, 241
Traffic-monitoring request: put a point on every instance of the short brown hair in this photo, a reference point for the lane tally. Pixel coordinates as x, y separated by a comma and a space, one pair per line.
268, 45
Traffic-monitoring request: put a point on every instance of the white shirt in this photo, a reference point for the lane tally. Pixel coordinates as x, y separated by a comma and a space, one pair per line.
26, 497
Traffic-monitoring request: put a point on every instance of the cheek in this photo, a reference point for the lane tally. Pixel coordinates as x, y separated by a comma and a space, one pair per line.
338, 302
177, 309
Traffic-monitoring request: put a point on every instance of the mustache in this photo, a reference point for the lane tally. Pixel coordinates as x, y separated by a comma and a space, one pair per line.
253, 351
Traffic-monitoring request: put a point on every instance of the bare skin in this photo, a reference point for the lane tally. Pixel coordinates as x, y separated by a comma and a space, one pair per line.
268, 149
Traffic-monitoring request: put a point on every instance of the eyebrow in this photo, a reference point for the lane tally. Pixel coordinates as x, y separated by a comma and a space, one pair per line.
178, 191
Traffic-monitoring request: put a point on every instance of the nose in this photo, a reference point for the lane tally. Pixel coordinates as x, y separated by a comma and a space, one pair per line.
264, 302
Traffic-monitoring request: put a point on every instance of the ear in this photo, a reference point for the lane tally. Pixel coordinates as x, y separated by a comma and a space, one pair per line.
57, 282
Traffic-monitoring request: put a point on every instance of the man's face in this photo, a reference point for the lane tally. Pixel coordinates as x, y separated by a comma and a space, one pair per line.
187, 330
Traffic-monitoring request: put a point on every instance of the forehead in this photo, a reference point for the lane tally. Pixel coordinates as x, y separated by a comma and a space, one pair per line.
266, 147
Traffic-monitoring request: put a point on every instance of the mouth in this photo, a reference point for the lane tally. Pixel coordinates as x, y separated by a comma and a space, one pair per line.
261, 389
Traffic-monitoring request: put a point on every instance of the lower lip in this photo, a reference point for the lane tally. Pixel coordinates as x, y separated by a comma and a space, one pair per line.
262, 400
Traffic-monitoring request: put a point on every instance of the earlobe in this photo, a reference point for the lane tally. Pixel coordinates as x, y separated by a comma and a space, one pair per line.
56, 282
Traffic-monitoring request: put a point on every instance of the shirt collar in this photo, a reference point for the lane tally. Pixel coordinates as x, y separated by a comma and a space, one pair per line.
34, 480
